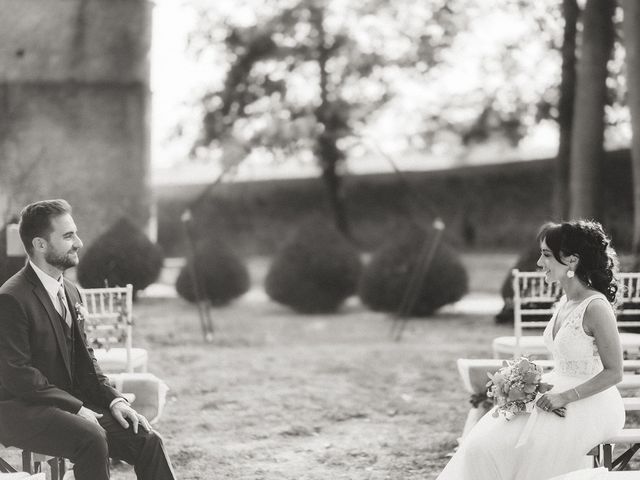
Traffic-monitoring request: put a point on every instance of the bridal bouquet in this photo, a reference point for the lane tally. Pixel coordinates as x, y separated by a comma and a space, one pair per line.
515, 386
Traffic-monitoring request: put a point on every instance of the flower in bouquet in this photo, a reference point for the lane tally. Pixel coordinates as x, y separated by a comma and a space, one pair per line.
515, 386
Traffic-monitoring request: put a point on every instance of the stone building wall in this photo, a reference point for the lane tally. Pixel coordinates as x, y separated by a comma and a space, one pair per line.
74, 108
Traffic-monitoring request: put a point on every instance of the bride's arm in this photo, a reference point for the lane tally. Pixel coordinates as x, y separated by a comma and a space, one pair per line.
600, 322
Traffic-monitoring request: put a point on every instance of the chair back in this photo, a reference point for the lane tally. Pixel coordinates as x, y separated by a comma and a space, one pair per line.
629, 305
109, 318
533, 297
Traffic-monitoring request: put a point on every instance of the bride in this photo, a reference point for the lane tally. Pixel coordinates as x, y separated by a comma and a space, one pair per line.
584, 407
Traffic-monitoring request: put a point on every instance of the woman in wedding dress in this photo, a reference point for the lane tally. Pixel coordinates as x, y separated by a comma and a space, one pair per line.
584, 407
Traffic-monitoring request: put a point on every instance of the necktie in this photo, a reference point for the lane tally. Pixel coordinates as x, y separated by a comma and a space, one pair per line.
64, 311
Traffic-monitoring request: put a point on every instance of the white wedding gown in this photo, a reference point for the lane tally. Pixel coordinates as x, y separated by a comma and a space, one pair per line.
541, 445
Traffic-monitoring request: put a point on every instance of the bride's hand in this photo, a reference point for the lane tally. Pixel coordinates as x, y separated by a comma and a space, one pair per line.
553, 402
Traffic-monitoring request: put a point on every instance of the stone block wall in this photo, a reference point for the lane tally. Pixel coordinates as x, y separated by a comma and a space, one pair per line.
74, 108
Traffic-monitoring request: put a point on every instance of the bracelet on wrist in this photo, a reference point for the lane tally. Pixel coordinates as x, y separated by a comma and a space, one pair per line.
577, 394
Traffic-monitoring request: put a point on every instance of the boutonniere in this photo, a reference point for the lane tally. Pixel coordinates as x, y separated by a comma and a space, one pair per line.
81, 312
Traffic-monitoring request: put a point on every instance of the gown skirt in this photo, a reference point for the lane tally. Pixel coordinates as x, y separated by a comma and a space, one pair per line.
539, 445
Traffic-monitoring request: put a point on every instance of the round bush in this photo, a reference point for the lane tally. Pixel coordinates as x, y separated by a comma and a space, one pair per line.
221, 274
315, 271
121, 255
527, 262
8, 265
386, 278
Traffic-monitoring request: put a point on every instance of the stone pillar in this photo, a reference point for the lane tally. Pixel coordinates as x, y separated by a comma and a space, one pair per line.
74, 108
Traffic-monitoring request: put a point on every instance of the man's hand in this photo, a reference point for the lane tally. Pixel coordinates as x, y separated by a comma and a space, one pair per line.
121, 411
89, 415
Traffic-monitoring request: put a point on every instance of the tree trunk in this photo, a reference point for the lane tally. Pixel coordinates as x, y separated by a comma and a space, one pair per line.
570, 12
588, 127
327, 151
333, 184
631, 32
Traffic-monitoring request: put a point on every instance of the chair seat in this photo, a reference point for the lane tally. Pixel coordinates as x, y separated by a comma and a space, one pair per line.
505, 347
150, 392
631, 404
628, 435
115, 359
534, 345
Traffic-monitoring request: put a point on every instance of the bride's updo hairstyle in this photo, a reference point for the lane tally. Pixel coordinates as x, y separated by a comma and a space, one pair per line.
598, 261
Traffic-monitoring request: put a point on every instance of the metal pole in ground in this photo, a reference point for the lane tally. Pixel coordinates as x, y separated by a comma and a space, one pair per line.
416, 281
203, 305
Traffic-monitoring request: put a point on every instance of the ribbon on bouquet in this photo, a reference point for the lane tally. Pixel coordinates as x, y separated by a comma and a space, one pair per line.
528, 427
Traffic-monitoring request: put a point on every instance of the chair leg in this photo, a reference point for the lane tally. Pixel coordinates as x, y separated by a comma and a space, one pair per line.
27, 464
56, 464
5, 467
54, 467
595, 453
63, 467
621, 462
607, 455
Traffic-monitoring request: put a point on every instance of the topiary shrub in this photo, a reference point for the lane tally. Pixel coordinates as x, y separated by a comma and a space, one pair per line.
386, 278
527, 262
8, 265
221, 274
315, 271
121, 255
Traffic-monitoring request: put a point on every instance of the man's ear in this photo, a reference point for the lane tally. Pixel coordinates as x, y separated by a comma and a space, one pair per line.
38, 243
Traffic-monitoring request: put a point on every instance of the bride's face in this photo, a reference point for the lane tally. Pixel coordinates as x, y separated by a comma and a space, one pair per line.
553, 269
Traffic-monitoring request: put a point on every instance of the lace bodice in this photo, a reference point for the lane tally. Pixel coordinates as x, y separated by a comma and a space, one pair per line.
574, 352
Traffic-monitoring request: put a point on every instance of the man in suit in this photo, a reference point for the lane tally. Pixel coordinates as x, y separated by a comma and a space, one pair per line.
54, 399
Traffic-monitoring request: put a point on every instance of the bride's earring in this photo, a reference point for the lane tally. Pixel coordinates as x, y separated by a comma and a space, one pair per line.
571, 274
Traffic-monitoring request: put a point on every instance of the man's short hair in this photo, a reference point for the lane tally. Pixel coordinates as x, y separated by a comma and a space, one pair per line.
35, 220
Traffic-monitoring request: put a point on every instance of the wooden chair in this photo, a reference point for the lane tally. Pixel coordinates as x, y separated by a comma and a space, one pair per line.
34, 463
603, 455
109, 322
533, 301
5, 467
629, 309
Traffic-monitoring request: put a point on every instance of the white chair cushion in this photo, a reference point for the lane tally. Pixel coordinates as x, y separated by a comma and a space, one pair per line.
150, 392
115, 359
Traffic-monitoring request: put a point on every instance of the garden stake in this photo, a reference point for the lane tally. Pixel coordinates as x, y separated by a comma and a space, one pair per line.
203, 306
415, 282
426, 255
187, 217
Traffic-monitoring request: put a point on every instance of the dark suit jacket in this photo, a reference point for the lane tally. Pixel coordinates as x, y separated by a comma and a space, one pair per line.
36, 372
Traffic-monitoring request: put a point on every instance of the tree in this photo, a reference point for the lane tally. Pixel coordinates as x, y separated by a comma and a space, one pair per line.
570, 13
631, 31
303, 80
591, 97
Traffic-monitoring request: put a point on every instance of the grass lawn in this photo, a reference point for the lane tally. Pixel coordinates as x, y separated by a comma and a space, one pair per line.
283, 396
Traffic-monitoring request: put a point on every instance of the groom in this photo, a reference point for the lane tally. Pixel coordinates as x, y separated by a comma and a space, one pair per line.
53, 397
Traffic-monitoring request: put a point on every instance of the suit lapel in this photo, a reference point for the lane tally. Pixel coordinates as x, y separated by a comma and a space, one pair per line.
54, 317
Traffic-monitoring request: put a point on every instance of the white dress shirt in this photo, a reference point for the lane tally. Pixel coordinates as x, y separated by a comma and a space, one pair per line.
51, 285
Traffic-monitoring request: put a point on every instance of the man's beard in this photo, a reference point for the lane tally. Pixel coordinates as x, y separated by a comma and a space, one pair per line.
61, 262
